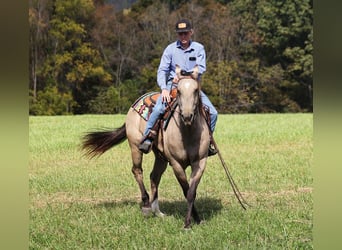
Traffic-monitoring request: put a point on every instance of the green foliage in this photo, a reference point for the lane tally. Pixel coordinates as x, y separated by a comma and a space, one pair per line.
301, 59
283, 24
51, 102
74, 59
129, 92
284, 37
148, 77
105, 102
225, 90
114, 100
87, 65
259, 53
141, 5
78, 10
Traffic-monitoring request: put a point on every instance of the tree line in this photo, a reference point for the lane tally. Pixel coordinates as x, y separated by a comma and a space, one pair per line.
88, 57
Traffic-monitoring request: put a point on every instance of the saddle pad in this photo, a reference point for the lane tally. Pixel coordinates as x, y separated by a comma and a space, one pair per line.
144, 104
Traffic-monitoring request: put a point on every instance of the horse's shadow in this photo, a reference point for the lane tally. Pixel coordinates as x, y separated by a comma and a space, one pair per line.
206, 207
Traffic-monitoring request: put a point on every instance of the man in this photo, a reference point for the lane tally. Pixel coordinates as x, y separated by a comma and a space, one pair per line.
186, 53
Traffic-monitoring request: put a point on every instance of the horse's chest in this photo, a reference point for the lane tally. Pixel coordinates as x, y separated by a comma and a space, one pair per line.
184, 149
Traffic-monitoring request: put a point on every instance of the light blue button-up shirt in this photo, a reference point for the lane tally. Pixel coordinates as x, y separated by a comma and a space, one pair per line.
186, 59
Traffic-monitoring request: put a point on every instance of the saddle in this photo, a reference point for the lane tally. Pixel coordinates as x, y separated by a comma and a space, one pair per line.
144, 106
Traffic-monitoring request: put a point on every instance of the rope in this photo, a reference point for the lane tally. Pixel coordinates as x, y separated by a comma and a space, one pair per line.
237, 192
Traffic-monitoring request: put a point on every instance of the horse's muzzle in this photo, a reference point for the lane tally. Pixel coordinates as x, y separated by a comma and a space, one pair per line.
188, 119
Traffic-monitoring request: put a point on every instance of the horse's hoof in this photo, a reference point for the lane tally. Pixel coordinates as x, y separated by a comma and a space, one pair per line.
146, 211
187, 227
160, 214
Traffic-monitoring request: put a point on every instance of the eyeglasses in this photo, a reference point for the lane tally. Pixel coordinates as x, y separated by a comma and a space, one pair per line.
183, 33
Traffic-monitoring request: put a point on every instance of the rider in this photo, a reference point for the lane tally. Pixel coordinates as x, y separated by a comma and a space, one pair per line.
186, 53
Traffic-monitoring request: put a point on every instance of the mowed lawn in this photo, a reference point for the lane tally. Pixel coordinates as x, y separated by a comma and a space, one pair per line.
77, 203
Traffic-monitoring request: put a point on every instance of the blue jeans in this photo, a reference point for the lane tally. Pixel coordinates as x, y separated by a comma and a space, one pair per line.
160, 107
212, 110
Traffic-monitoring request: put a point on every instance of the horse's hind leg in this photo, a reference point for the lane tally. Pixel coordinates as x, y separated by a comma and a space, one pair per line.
138, 175
155, 176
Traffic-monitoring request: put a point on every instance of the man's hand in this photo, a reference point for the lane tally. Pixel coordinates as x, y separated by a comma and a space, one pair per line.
166, 95
175, 79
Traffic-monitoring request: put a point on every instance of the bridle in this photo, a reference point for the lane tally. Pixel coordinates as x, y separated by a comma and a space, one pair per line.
188, 75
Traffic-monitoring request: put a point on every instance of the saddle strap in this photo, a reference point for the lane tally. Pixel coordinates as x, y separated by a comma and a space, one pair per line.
170, 109
206, 114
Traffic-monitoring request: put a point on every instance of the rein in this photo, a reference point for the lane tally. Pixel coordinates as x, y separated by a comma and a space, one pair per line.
237, 192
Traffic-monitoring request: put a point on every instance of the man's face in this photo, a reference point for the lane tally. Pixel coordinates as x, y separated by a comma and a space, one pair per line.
184, 37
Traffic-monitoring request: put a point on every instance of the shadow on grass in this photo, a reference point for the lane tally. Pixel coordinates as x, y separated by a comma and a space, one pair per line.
206, 207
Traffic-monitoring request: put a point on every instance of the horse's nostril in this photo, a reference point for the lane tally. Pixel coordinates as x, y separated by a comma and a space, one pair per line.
187, 119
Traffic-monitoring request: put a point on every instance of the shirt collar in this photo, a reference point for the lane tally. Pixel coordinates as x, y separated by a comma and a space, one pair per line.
180, 46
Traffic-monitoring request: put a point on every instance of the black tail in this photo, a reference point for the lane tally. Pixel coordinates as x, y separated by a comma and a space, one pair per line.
97, 142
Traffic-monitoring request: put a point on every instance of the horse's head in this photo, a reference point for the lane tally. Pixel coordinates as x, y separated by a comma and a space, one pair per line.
188, 94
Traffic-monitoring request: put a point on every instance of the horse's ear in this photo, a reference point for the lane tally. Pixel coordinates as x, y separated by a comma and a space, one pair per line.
178, 71
194, 73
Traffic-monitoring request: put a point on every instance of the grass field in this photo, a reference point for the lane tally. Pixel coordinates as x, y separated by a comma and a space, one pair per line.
77, 203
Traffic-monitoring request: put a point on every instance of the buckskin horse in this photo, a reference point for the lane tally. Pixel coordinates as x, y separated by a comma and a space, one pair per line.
184, 143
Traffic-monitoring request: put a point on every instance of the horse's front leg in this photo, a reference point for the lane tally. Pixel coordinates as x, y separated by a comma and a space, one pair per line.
182, 179
197, 170
155, 176
138, 175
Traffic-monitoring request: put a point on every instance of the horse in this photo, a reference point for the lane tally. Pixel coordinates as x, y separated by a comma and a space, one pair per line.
184, 143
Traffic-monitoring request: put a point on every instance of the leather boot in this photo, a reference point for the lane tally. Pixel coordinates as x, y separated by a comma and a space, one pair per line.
211, 150
145, 145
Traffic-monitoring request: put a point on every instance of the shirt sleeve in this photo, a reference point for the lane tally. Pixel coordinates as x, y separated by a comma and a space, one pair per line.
201, 60
164, 68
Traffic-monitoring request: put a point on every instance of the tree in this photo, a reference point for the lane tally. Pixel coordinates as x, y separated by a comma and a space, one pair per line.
73, 63
39, 15
222, 83
51, 102
282, 32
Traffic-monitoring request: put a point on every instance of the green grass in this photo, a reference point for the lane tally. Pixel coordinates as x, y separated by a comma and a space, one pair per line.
77, 203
